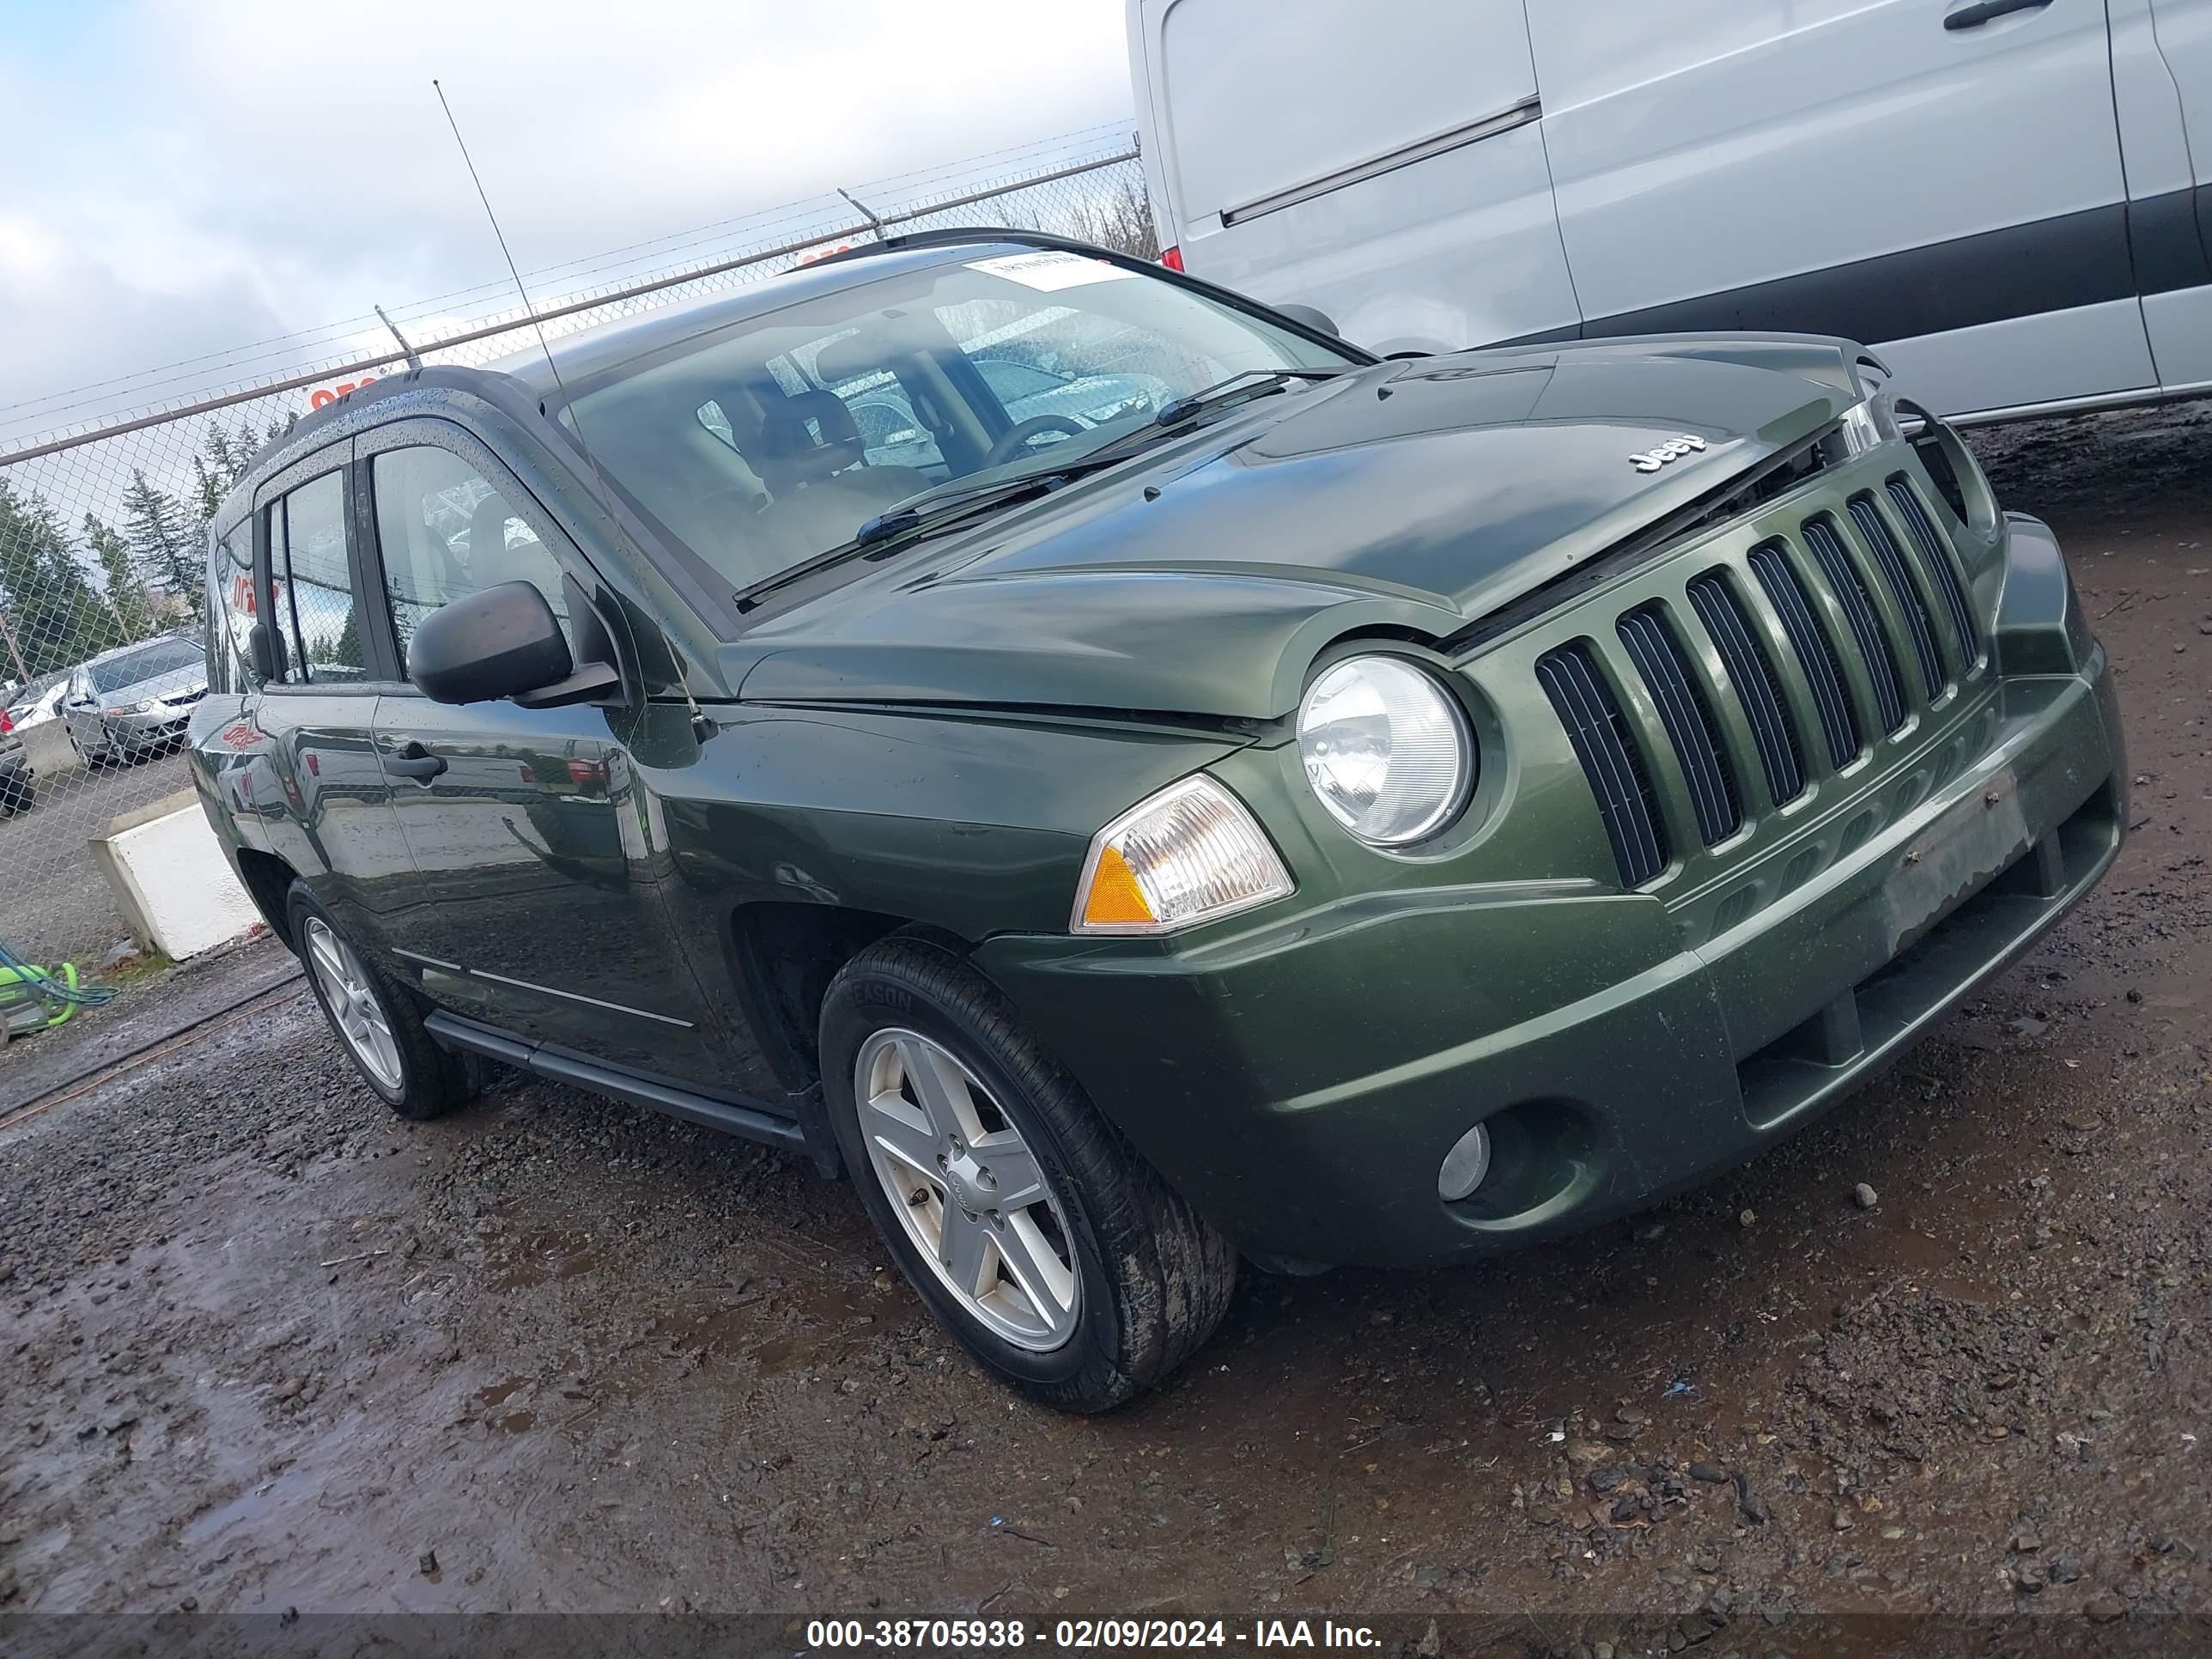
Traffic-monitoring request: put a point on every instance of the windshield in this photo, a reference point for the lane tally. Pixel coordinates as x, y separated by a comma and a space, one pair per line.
168, 657
761, 445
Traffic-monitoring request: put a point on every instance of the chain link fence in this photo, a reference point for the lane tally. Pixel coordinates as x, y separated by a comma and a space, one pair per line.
102, 527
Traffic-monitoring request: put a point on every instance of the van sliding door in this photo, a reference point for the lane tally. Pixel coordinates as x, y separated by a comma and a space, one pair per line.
1382, 161
1941, 175
2162, 77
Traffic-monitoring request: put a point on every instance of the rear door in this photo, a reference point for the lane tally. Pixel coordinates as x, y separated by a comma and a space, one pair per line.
1941, 177
1381, 161
2184, 38
318, 714
536, 903
2162, 73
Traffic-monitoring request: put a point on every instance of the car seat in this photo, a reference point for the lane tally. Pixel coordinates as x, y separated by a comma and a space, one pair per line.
810, 456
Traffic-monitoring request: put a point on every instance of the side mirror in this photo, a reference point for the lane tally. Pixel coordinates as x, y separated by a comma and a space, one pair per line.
502, 641
1309, 317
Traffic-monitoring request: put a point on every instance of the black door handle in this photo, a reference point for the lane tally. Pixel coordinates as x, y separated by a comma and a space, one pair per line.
1985, 11
414, 761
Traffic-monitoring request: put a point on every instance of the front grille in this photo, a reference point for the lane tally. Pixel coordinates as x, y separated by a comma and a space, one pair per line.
1688, 720
1757, 686
1849, 590
1806, 635
1935, 559
1603, 744
1873, 532
1816, 651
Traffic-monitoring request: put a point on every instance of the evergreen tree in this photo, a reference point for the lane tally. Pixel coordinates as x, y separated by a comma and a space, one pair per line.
54, 615
220, 464
126, 593
161, 543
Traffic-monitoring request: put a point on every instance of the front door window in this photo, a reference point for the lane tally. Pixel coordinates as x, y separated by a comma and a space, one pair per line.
446, 531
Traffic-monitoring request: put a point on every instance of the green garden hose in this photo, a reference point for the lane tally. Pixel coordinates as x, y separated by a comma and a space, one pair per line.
57, 993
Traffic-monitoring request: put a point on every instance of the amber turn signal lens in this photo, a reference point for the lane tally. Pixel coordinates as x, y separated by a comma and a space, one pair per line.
1115, 896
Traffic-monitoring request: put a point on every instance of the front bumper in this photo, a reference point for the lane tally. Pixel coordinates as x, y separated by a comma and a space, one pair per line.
1300, 1082
148, 730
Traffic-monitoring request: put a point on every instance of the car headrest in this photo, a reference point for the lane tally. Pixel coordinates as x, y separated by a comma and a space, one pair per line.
491, 561
786, 437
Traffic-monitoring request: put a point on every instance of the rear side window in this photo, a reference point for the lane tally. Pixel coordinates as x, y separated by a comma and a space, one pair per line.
314, 585
445, 530
231, 615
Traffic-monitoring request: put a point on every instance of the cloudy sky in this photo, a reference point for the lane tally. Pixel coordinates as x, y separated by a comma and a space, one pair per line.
184, 177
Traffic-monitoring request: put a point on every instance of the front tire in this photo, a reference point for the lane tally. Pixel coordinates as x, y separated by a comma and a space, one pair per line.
378, 1023
1038, 1236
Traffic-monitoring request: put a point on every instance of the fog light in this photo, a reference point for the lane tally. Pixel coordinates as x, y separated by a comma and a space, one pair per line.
1465, 1165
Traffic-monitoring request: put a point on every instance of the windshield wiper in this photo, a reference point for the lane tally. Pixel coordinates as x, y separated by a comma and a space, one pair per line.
933, 509
955, 503
934, 505
1236, 389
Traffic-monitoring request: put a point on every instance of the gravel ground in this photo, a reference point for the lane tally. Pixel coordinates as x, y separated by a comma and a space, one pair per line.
55, 905
1946, 1352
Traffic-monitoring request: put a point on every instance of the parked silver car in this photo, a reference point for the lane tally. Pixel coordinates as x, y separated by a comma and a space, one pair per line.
134, 699
36, 703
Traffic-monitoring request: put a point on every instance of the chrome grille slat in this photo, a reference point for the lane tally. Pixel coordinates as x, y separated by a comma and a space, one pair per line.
1757, 685
1816, 652
1843, 581
1936, 557
1600, 740
1873, 532
1690, 725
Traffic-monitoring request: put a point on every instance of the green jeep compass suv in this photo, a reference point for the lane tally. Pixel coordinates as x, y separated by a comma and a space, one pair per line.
1317, 808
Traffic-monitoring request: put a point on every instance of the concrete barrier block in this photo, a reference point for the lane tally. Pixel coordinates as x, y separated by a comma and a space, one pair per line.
46, 746
170, 879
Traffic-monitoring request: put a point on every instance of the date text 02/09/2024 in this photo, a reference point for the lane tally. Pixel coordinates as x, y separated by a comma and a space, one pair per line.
952, 1635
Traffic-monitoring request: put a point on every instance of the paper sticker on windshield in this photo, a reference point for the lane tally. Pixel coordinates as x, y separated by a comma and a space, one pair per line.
1049, 269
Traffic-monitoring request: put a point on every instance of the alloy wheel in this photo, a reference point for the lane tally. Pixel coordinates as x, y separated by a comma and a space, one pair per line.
353, 1004
967, 1188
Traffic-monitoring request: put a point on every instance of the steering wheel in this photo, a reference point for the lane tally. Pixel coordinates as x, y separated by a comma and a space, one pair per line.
1011, 440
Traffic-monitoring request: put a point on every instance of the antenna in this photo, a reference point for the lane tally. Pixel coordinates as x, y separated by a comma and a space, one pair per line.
529, 310
866, 212
701, 727
408, 351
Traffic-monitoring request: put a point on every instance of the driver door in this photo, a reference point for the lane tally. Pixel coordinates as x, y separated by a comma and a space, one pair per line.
539, 861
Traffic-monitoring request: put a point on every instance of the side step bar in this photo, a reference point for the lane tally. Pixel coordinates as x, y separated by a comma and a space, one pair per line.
561, 1065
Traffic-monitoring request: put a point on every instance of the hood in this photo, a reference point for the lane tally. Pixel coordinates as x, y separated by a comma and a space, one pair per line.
182, 686
1203, 579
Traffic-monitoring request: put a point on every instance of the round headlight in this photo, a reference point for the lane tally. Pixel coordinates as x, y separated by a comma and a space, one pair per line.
1386, 749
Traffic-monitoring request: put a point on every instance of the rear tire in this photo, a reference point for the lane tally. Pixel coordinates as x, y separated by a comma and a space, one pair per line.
17, 795
377, 1022
1147, 1281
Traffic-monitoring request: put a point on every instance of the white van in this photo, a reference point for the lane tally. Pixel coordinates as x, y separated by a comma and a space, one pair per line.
1999, 193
